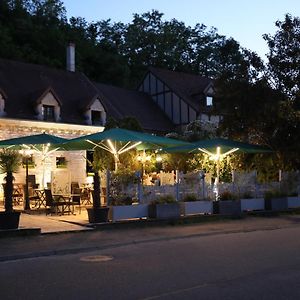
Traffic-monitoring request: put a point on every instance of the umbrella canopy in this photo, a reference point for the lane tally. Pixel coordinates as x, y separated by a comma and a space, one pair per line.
34, 141
143, 140
217, 149
43, 144
225, 147
107, 140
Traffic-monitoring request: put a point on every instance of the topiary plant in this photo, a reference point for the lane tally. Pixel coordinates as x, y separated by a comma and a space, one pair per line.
10, 161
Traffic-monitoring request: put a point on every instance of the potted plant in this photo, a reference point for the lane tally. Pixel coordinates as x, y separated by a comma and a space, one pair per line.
191, 205
250, 203
10, 160
123, 208
164, 207
293, 200
276, 201
97, 213
228, 204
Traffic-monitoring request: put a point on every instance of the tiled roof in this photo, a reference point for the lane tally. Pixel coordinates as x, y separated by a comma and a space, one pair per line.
23, 84
121, 102
187, 86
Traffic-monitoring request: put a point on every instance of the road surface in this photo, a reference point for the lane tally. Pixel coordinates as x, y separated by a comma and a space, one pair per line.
261, 264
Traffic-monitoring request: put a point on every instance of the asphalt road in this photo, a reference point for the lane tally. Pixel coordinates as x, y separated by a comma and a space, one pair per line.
246, 265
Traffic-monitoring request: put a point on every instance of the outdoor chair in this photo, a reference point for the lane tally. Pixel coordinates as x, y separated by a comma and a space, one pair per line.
56, 204
75, 197
32, 182
85, 196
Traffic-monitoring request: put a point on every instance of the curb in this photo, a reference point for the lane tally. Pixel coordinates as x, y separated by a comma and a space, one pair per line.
20, 232
75, 251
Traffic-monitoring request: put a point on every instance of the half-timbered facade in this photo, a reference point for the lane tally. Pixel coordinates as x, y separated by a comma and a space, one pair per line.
182, 97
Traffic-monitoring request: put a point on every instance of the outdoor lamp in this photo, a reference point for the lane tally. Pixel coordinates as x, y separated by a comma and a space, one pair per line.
158, 158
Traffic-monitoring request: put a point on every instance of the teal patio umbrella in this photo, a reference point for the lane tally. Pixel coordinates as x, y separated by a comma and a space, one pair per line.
43, 144
217, 149
117, 141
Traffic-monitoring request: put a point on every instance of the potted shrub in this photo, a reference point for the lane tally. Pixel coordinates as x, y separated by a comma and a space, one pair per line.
228, 204
123, 208
276, 201
164, 207
249, 203
10, 161
97, 213
191, 205
293, 200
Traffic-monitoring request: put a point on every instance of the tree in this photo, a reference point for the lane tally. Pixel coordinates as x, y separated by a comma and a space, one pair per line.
10, 161
284, 57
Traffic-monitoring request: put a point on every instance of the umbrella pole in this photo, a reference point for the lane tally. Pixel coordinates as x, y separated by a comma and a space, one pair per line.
26, 192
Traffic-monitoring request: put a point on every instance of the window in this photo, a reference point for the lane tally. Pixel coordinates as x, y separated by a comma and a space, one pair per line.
61, 162
48, 113
96, 118
209, 101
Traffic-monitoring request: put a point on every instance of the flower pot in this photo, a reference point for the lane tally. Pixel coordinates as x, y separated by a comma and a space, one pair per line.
227, 207
98, 215
293, 202
164, 211
9, 220
123, 212
197, 207
276, 204
251, 204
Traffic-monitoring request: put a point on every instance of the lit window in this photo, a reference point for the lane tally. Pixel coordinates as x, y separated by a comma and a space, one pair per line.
61, 162
48, 113
209, 101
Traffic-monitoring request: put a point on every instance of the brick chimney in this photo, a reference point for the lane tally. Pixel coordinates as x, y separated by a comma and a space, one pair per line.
71, 57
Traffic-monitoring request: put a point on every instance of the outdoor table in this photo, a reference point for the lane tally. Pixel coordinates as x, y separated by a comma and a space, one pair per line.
68, 205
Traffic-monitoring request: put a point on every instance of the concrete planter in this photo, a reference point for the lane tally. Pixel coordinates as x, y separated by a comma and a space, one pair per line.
196, 207
123, 212
9, 220
276, 204
164, 211
252, 204
227, 207
293, 202
99, 215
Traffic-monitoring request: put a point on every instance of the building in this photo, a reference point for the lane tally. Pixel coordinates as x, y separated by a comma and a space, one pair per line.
36, 99
183, 97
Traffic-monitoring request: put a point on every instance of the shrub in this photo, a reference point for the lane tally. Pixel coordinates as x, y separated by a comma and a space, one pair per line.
190, 198
226, 195
164, 199
247, 195
121, 200
273, 194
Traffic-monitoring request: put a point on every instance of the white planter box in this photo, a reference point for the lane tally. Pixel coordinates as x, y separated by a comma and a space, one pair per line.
197, 207
252, 204
124, 212
293, 202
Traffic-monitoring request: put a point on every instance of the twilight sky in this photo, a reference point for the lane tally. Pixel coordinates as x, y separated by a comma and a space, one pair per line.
245, 21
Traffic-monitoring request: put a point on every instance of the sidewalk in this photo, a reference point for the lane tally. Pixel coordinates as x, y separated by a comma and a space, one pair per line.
100, 239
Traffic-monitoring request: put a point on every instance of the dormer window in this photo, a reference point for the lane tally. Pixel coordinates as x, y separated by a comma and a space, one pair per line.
48, 113
48, 107
96, 114
96, 118
2, 104
209, 101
